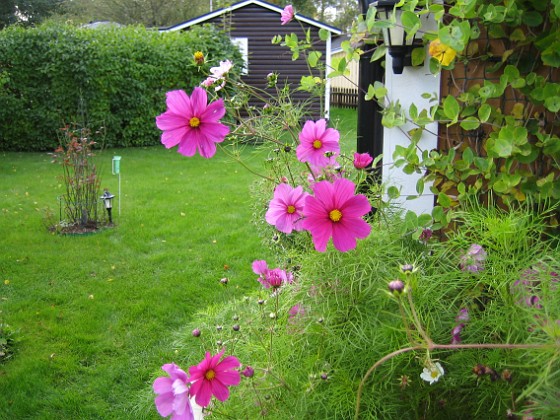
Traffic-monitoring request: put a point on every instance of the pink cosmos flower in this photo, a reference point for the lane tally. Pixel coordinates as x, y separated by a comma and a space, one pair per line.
362, 160
285, 210
192, 123
315, 141
274, 278
287, 14
295, 311
212, 377
173, 395
218, 74
335, 211
473, 260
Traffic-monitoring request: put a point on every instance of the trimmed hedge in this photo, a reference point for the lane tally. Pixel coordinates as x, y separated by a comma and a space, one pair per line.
114, 78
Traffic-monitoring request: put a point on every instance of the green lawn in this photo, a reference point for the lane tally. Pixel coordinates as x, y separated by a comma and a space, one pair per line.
95, 315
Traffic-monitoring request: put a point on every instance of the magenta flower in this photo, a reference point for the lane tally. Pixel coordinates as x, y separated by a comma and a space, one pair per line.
274, 278
192, 123
285, 210
287, 14
212, 377
473, 260
362, 160
335, 211
316, 140
173, 395
463, 315
295, 311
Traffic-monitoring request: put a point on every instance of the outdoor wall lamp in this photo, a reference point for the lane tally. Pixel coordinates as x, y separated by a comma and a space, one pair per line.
395, 37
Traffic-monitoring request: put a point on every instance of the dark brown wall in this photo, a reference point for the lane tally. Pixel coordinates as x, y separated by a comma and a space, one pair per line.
260, 25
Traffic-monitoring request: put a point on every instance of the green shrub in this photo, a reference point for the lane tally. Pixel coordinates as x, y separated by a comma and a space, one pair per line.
114, 78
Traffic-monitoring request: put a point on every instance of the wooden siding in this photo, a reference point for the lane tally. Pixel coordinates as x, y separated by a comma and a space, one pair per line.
260, 25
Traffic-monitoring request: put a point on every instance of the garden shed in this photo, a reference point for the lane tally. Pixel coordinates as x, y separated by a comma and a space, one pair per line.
251, 24
344, 89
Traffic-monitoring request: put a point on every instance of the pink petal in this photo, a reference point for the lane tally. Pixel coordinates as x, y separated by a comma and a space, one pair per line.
356, 206
229, 362
284, 223
215, 131
229, 378
174, 371
170, 121
178, 103
163, 385
179, 387
199, 100
164, 404
324, 194
181, 403
343, 190
203, 392
214, 111
220, 391
259, 267
206, 148
189, 143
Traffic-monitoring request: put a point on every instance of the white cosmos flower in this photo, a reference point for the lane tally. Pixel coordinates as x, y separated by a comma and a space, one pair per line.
432, 373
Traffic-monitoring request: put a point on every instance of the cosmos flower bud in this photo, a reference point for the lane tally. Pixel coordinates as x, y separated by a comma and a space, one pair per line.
248, 372
199, 58
408, 268
196, 332
396, 287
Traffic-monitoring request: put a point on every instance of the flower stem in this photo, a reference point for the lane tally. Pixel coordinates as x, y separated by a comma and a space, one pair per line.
432, 346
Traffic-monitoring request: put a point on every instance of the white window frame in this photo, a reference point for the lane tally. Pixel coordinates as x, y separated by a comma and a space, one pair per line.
243, 45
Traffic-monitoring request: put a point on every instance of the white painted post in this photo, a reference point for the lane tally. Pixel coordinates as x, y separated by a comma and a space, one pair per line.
408, 88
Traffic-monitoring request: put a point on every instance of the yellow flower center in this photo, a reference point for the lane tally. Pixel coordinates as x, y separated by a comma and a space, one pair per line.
317, 144
435, 373
335, 215
210, 374
194, 122
291, 209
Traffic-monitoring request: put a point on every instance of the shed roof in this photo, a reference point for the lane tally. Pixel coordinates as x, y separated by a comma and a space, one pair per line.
273, 7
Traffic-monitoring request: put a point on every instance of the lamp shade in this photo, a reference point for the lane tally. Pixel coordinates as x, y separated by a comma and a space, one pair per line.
395, 37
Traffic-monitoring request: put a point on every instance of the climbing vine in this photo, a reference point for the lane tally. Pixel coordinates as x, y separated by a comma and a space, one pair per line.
498, 116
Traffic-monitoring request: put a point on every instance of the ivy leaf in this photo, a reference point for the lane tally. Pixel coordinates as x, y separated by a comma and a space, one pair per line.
410, 220
418, 56
455, 35
444, 200
313, 58
410, 22
552, 103
379, 52
484, 112
551, 55
451, 109
503, 147
470, 123
425, 220
393, 192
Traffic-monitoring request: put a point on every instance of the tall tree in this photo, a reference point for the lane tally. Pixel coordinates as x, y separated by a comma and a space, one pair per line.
27, 12
147, 12
346, 13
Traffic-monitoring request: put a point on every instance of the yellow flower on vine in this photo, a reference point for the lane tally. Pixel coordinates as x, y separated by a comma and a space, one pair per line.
442, 52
